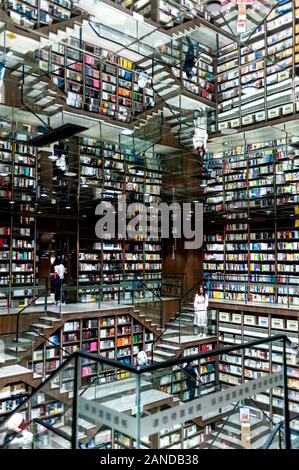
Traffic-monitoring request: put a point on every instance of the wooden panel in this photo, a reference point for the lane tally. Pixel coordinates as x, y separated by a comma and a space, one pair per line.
188, 262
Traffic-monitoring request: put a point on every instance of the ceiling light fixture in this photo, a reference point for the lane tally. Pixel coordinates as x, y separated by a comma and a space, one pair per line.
70, 174
127, 132
229, 131
53, 158
249, 90
68, 206
213, 6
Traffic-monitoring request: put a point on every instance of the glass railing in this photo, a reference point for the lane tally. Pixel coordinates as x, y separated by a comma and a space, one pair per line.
93, 402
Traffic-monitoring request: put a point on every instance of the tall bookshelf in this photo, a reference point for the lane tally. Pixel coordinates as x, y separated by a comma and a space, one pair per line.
246, 201
96, 80
33, 14
267, 63
235, 326
18, 184
113, 335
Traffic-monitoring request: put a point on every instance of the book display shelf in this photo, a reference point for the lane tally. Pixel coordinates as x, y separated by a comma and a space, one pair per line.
114, 336
247, 258
96, 80
267, 64
33, 14
18, 175
108, 171
241, 326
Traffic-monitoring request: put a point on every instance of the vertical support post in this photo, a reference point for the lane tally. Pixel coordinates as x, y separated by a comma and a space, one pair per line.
287, 432
46, 295
74, 437
138, 410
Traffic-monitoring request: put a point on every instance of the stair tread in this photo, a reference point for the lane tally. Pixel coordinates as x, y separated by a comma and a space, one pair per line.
41, 325
169, 346
16, 348
163, 353
50, 319
9, 371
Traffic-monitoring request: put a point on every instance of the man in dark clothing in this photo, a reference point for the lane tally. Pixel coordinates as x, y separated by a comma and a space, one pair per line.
192, 379
190, 60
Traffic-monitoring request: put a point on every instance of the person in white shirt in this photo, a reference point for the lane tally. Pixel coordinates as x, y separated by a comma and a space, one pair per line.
13, 435
59, 271
142, 359
201, 303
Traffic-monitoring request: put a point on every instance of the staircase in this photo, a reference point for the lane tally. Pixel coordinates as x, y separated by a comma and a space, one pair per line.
168, 346
230, 435
29, 341
10, 373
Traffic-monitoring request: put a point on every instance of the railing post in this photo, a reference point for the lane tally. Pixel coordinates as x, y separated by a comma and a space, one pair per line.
75, 405
287, 432
46, 295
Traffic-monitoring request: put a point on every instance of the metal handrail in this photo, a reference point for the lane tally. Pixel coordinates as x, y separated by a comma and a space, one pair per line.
142, 369
276, 430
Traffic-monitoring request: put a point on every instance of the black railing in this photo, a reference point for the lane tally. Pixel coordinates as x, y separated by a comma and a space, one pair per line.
138, 371
278, 430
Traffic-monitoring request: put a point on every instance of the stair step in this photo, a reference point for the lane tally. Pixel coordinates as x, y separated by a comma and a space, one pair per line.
163, 353
41, 325
11, 371
158, 359
85, 424
16, 349
52, 319
170, 347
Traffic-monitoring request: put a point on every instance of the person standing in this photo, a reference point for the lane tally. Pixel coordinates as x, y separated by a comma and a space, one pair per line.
192, 379
201, 303
59, 272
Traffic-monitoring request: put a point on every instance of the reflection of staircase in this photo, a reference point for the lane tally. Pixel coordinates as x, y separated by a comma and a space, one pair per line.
29, 341
11, 373
230, 435
165, 84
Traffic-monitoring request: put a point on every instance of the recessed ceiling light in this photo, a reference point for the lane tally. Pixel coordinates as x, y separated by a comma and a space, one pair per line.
84, 216
11, 202
213, 6
229, 131
68, 206
127, 131
292, 215
53, 158
84, 185
249, 90
70, 173
39, 212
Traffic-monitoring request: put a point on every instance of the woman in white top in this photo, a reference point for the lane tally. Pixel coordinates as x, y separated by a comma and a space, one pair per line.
201, 303
59, 271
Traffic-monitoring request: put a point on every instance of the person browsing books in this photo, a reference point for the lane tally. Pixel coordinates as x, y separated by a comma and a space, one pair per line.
201, 303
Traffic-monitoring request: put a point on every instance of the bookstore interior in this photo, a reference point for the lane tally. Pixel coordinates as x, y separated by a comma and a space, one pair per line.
116, 331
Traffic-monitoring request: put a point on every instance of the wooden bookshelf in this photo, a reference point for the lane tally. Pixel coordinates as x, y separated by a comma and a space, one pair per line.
114, 335
248, 255
245, 324
267, 63
33, 14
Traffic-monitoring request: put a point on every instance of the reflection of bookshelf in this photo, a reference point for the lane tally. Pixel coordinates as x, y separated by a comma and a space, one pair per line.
266, 63
113, 336
11, 397
96, 80
237, 326
34, 14
255, 181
